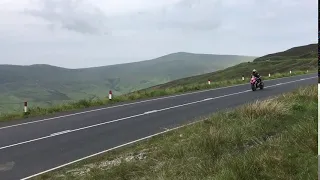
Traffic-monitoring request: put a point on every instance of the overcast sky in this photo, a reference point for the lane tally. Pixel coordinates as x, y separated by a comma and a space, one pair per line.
86, 33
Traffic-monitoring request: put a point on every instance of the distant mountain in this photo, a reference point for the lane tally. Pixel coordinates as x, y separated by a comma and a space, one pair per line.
46, 84
307, 51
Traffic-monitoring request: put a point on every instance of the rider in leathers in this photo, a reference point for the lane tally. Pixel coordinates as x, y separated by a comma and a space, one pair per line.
256, 74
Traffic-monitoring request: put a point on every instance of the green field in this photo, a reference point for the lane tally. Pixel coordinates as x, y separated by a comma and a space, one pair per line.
271, 139
44, 85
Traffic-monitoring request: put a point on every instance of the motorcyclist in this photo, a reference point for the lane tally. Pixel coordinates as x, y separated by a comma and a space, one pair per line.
256, 74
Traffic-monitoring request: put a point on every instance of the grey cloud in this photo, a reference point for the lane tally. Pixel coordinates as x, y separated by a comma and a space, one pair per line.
66, 14
193, 26
187, 15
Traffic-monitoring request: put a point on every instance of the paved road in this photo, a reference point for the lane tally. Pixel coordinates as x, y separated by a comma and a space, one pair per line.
30, 147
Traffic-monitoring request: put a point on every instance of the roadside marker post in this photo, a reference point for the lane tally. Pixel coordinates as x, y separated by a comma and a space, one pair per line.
110, 95
25, 107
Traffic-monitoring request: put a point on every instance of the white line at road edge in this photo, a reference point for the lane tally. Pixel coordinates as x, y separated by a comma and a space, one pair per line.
137, 115
144, 138
139, 102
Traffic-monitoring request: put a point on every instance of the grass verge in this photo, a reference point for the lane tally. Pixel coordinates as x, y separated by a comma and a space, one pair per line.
138, 95
271, 139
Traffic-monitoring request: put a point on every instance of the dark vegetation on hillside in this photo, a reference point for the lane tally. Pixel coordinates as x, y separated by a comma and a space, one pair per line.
300, 52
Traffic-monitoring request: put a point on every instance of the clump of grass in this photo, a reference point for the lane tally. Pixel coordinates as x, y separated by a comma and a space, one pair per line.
263, 140
308, 92
265, 108
143, 94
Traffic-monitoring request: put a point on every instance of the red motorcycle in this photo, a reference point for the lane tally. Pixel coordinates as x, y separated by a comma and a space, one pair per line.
255, 84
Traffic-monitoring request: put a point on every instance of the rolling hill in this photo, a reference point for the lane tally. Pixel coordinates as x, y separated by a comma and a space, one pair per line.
297, 58
43, 85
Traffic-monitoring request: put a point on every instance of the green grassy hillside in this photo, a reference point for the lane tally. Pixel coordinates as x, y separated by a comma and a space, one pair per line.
280, 62
300, 52
46, 85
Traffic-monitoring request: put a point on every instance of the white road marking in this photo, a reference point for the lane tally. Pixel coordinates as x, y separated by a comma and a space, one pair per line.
7, 166
133, 103
138, 140
25, 142
137, 115
149, 112
208, 99
59, 133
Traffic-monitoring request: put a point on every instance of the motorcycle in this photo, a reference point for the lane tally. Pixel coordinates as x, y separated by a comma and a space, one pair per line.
255, 84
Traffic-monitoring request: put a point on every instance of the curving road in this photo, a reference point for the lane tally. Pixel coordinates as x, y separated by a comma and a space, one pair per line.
29, 147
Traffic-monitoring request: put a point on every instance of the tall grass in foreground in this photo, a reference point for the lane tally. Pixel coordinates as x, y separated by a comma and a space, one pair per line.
142, 94
271, 139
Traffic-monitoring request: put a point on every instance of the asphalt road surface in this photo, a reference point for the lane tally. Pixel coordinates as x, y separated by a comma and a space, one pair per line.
29, 147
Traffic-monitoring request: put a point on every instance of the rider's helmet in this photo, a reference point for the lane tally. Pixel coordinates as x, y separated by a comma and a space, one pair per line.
254, 71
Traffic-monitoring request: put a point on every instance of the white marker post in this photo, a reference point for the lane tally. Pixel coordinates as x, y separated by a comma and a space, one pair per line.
242, 77
25, 107
110, 95
269, 75
209, 82
307, 71
290, 72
